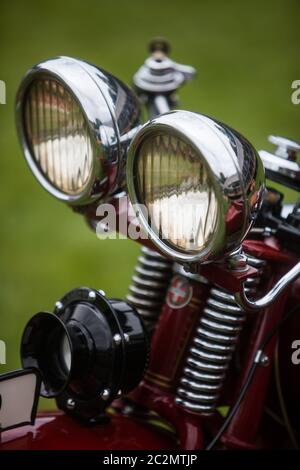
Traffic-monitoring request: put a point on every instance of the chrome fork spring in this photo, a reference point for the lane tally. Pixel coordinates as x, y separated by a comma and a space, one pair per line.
149, 285
212, 347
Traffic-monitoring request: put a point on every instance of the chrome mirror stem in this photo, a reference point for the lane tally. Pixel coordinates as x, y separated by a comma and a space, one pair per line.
282, 165
159, 105
157, 80
242, 299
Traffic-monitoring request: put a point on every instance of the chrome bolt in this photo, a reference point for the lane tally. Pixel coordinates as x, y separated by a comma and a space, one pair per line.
92, 295
102, 292
126, 337
58, 305
117, 339
70, 404
264, 360
237, 261
105, 394
127, 410
268, 231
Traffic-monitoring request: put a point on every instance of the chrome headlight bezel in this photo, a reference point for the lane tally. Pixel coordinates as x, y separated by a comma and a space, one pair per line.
110, 109
218, 146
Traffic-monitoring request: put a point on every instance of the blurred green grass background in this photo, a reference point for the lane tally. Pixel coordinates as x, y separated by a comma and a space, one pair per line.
246, 54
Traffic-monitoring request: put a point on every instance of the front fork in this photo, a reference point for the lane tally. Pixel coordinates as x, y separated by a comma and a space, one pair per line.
193, 340
170, 340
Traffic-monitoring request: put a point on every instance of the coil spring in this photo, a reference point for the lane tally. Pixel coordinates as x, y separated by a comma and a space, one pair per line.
149, 285
213, 345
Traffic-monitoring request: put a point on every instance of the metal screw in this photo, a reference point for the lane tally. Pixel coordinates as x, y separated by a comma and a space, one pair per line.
127, 410
117, 339
268, 231
92, 295
58, 305
70, 404
237, 261
126, 337
105, 394
102, 292
264, 360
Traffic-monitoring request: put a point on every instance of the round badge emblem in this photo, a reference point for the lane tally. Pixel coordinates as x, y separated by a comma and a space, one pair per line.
180, 292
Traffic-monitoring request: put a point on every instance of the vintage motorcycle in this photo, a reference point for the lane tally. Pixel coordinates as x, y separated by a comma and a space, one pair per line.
200, 354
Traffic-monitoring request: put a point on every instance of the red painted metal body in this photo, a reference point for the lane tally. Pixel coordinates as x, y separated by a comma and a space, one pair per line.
246, 430
290, 371
169, 347
173, 334
60, 432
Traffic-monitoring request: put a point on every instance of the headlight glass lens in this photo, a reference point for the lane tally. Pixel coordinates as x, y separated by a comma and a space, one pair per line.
175, 186
58, 136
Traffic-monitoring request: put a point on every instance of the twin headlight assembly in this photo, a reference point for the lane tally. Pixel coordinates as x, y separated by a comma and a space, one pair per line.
196, 186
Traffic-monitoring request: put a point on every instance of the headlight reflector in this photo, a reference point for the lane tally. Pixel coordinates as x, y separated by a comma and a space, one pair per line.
177, 190
58, 135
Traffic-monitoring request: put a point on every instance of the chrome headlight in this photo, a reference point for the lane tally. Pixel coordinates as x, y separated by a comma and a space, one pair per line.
71, 117
198, 185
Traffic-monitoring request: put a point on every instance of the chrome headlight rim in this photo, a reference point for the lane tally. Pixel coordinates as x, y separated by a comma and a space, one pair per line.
43, 74
177, 122
90, 87
151, 128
